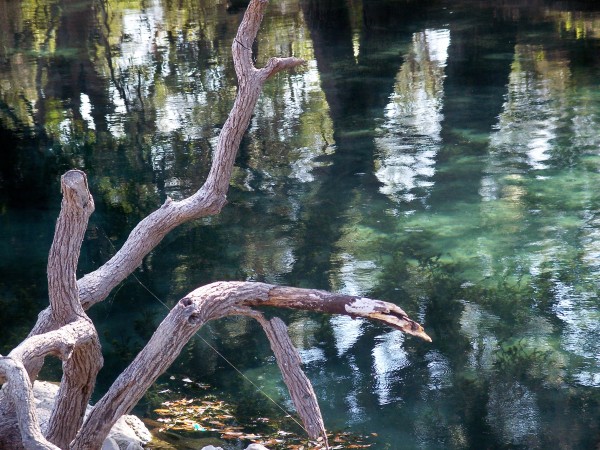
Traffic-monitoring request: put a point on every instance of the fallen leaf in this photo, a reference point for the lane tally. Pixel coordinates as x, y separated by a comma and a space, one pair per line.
231, 435
250, 436
217, 423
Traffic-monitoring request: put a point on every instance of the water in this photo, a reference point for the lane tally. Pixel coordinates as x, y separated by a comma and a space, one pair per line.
440, 155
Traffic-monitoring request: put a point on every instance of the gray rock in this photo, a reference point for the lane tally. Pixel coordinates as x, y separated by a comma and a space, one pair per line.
130, 430
110, 444
129, 433
211, 447
134, 446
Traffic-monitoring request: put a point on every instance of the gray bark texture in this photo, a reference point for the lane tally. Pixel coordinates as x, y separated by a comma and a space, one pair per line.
64, 330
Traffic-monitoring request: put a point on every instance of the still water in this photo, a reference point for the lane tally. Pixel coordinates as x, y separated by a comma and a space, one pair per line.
442, 155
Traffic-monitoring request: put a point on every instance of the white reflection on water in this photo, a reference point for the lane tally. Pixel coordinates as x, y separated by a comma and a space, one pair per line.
411, 136
440, 373
534, 109
407, 148
142, 32
590, 241
312, 355
86, 111
388, 358
513, 414
116, 124
133, 72
356, 277
581, 316
296, 120
346, 332
356, 412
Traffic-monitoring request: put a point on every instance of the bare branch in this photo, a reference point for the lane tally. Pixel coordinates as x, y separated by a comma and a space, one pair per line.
241, 47
77, 345
211, 197
84, 362
77, 206
60, 342
67, 343
19, 391
65, 306
76, 387
160, 352
326, 302
215, 301
300, 388
276, 65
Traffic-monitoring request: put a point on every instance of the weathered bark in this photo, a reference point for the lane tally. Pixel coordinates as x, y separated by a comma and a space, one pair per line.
18, 388
290, 364
76, 343
64, 330
76, 388
81, 368
19, 392
327, 302
76, 208
60, 343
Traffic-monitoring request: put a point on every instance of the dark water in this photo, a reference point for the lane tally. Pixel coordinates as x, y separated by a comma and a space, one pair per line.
441, 155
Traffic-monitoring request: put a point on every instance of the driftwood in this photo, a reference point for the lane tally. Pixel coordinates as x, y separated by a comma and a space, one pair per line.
63, 330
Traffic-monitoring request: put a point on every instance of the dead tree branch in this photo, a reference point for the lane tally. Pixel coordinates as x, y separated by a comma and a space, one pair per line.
76, 342
207, 303
300, 388
76, 209
19, 391
82, 366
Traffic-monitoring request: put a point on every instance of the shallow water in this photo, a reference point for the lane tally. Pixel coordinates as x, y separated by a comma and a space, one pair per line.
441, 155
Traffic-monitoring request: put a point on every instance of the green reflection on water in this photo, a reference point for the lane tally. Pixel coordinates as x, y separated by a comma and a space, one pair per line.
444, 157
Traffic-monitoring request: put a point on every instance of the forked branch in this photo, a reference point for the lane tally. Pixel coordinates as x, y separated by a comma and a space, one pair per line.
211, 302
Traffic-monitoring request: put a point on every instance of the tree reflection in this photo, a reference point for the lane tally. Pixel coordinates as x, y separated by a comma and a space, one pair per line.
413, 119
446, 159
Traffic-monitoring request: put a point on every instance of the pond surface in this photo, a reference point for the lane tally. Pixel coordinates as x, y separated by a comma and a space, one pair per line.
442, 155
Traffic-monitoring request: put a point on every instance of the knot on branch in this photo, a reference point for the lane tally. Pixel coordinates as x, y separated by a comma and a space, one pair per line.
186, 301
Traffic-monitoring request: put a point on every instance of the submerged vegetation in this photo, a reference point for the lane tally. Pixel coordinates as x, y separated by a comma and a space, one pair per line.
178, 423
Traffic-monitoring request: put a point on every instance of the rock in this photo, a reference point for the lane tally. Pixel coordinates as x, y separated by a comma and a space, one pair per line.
211, 447
130, 430
134, 446
110, 444
129, 433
